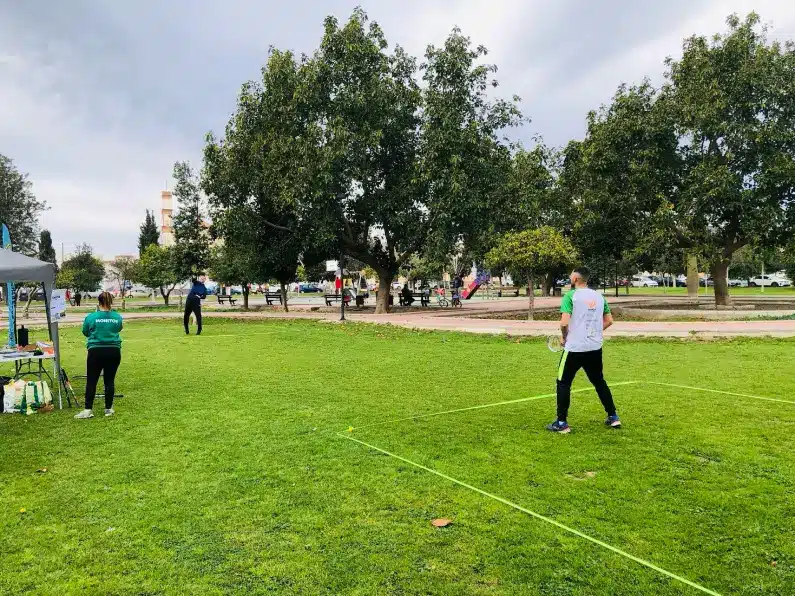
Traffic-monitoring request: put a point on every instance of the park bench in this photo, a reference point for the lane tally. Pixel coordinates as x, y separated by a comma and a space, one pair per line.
271, 297
228, 299
421, 296
507, 290
331, 298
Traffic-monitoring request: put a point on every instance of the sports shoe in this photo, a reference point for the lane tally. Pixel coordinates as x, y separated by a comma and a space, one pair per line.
613, 422
84, 415
559, 426
109, 412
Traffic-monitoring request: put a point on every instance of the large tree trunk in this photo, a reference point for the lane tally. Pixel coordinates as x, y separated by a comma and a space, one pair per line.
531, 298
31, 294
283, 287
720, 274
692, 277
384, 290
164, 294
547, 282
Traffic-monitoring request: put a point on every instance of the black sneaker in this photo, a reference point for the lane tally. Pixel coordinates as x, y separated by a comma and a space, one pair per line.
613, 422
559, 426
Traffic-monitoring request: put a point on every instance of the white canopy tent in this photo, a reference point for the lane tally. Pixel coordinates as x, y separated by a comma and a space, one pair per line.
17, 267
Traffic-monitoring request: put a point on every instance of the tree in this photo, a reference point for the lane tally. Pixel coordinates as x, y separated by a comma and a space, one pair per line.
233, 267
157, 269
19, 207
262, 177
81, 272
621, 177
734, 102
123, 271
46, 249
46, 253
192, 242
535, 197
149, 234
530, 253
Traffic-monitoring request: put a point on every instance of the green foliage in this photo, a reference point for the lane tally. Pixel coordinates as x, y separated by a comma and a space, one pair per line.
535, 196
424, 269
192, 242
532, 252
734, 100
344, 153
123, 270
82, 271
149, 233
46, 249
157, 268
621, 175
466, 164
19, 207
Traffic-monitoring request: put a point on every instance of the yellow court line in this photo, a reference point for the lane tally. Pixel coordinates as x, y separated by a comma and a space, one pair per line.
480, 407
782, 401
543, 518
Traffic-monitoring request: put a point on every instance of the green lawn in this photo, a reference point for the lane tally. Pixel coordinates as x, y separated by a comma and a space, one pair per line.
228, 469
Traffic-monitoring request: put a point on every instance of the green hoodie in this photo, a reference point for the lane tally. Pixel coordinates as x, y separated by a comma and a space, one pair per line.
102, 329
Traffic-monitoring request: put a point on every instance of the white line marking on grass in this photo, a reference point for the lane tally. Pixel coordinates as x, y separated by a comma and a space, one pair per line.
541, 517
480, 407
782, 401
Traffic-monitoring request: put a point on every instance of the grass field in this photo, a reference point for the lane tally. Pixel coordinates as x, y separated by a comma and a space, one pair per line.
228, 469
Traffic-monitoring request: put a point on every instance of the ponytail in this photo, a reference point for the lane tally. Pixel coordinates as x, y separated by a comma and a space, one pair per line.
106, 299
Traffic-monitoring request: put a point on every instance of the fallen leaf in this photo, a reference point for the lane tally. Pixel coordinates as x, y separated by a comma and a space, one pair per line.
22, 510
350, 429
590, 474
41, 471
441, 522
773, 563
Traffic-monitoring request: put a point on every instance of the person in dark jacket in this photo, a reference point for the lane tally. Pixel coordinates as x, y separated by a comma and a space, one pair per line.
193, 305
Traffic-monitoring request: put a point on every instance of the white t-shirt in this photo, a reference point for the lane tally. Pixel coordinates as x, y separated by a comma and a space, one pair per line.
587, 309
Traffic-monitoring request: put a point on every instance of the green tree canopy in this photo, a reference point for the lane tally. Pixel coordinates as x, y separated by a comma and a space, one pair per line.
19, 208
46, 249
192, 242
157, 268
149, 233
734, 102
530, 253
82, 271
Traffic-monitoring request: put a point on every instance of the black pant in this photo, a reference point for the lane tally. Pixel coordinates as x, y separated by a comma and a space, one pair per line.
103, 361
591, 362
193, 306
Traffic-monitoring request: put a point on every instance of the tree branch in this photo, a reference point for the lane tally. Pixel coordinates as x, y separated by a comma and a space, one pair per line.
277, 226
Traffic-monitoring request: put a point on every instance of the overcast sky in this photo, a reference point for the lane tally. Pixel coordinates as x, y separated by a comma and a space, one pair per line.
98, 98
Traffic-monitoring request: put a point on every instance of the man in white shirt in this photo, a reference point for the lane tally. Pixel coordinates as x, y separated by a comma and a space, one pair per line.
584, 317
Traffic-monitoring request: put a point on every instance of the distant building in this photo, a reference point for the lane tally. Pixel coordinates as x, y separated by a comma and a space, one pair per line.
166, 218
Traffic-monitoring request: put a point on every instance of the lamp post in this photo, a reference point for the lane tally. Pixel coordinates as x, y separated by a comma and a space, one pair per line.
342, 287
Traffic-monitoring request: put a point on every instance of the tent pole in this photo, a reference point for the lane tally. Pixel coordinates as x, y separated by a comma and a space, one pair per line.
52, 326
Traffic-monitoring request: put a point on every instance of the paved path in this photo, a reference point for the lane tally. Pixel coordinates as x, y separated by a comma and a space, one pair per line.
450, 320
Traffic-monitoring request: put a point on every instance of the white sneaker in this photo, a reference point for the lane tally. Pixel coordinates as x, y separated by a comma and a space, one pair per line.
109, 412
85, 414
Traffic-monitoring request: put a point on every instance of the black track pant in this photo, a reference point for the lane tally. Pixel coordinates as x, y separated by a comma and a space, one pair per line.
591, 362
193, 306
104, 361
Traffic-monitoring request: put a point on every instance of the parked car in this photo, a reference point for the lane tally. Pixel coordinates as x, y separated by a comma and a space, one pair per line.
641, 281
309, 289
738, 283
706, 282
773, 281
